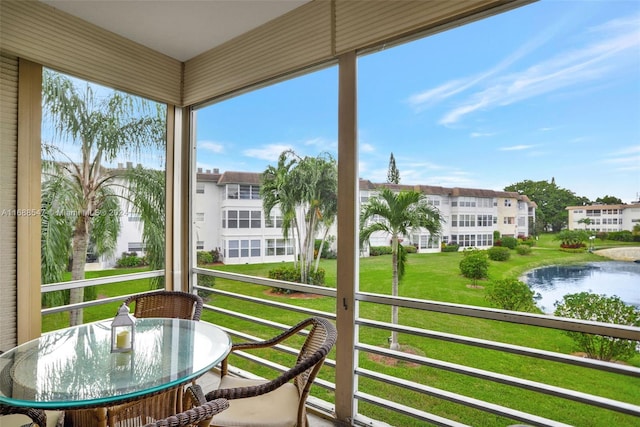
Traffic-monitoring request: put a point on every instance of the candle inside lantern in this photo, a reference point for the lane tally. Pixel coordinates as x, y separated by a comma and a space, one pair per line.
123, 339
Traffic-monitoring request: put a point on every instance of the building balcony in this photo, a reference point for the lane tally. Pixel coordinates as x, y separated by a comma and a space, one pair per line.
455, 371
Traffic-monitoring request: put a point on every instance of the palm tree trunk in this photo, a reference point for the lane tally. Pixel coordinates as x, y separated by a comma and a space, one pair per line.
324, 238
394, 291
80, 243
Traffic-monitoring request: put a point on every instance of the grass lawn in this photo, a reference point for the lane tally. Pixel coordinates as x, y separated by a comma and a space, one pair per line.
437, 277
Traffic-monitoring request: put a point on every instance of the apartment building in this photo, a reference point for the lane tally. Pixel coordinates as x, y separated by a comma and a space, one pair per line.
470, 215
227, 216
604, 217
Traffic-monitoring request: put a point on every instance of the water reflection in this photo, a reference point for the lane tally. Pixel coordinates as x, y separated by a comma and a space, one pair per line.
609, 278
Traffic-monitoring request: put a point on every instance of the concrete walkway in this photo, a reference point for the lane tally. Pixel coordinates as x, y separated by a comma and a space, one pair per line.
620, 254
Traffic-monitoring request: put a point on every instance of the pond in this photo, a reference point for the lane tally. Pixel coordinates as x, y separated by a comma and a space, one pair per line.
609, 278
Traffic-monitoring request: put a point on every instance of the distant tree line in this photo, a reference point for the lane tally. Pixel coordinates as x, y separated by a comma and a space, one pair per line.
552, 201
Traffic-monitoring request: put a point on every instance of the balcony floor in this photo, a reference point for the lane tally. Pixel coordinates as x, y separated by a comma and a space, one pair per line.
210, 380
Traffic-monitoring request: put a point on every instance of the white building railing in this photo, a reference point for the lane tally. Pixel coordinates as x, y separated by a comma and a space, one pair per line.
421, 387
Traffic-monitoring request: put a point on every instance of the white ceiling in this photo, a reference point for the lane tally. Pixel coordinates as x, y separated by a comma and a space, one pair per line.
180, 29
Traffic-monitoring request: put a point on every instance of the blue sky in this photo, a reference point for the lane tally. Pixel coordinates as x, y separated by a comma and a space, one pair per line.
551, 89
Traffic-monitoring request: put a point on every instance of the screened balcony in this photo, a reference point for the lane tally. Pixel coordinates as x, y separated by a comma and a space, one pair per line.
422, 388
283, 43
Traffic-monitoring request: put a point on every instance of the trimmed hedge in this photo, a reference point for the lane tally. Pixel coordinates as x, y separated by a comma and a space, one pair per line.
499, 253
292, 274
523, 249
380, 250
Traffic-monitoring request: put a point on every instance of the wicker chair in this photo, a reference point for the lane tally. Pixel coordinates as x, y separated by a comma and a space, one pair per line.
174, 304
16, 417
278, 402
200, 415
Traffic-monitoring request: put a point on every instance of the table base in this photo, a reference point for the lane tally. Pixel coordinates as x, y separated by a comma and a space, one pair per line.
131, 414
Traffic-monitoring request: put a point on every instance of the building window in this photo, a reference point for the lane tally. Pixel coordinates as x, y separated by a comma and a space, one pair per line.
275, 247
244, 219
485, 239
200, 245
485, 202
232, 219
464, 240
509, 220
426, 241
232, 191
135, 246
485, 220
243, 191
200, 216
234, 246
256, 219
273, 221
241, 219
507, 203
255, 248
134, 218
255, 192
200, 188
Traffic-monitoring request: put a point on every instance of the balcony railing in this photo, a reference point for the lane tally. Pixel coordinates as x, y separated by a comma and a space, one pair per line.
415, 393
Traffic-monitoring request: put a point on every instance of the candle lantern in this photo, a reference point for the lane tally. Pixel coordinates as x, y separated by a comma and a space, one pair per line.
122, 331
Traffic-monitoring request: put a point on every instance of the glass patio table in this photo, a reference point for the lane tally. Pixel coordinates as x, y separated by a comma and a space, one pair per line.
74, 368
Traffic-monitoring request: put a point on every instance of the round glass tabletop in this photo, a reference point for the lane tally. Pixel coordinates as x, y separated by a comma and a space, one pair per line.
74, 367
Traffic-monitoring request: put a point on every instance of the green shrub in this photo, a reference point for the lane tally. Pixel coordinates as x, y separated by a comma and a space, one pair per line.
410, 249
451, 247
474, 265
129, 260
380, 250
207, 282
498, 253
496, 235
529, 241
292, 274
509, 242
511, 294
523, 249
204, 257
600, 308
572, 239
621, 236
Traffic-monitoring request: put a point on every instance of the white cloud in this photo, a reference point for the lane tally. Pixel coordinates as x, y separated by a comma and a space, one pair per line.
322, 143
628, 150
448, 89
481, 134
516, 147
366, 148
212, 146
269, 152
618, 39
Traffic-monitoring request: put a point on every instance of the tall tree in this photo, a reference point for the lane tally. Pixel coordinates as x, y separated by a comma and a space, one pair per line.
393, 175
552, 201
81, 196
399, 214
305, 191
609, 200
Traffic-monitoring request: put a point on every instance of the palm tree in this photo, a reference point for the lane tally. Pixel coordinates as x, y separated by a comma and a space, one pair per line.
305, 191
81, 197
397, 214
